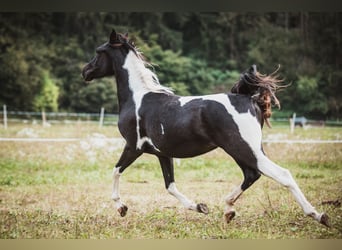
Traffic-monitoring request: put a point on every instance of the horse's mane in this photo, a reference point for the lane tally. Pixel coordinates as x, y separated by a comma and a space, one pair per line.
261, 88
142, 67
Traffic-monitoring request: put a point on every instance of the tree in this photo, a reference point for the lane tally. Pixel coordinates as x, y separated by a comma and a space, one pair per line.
97, 94
47, 98
310, 98
20, 79
195, 53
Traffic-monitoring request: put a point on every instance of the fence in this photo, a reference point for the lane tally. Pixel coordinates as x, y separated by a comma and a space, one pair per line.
46, 118
102, 118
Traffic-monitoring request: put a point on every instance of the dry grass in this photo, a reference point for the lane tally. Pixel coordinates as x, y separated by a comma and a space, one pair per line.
62, 190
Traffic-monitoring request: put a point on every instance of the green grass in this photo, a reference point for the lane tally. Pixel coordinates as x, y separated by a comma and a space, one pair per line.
62, 190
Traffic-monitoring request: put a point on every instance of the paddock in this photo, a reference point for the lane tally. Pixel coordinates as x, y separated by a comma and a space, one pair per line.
62, 189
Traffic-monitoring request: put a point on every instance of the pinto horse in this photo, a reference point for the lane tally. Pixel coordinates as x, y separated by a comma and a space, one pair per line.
152, 119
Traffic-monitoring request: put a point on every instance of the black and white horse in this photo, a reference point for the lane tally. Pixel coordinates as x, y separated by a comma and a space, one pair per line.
154, 120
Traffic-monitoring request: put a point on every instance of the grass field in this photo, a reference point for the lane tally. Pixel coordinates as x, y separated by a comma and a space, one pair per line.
62, 189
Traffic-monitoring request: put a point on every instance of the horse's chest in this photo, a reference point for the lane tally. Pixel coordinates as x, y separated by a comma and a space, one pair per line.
127, 125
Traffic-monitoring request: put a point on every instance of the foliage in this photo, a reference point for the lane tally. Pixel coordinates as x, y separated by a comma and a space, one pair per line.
195, 53
308, 91
93, 96
19, 78
48, 96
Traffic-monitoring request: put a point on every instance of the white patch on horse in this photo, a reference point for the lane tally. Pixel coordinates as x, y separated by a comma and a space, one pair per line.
185, 99
172, 189
144, 139
248, 125
284, 177
249, 128
141, 81
231, 198
162, 129
145, 79
116, 192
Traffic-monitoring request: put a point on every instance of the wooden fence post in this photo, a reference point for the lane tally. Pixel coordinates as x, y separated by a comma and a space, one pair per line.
101, 117
43, 118
292, 123
5, 117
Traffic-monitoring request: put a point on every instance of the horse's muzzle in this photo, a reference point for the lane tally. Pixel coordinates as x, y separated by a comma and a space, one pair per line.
87, 72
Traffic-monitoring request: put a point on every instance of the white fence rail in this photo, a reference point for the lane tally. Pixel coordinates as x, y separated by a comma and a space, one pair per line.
101, 118
266, 141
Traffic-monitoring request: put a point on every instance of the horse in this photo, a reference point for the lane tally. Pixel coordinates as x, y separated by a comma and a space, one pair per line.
154, 120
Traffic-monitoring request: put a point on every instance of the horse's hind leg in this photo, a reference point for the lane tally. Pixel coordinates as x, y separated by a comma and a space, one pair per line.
250, 176
128, 156
284, 177
168, 173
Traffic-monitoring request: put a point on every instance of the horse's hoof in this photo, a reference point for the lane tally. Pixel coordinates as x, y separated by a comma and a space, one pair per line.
202, 208
325, 220
123, 210
229, 216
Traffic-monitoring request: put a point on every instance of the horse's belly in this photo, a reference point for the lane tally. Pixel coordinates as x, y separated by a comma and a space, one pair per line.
186, 148
189, 153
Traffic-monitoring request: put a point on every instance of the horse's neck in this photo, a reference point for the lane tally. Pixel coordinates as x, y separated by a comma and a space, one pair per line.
134, 80
123, 75
123, 91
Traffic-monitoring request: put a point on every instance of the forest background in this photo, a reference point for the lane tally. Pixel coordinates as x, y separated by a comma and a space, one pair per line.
195, 53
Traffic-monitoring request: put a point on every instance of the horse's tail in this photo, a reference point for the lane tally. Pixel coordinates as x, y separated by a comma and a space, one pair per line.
261, 88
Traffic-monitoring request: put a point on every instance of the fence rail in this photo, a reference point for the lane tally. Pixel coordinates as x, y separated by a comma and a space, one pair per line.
57, 117
121, 140
105, 118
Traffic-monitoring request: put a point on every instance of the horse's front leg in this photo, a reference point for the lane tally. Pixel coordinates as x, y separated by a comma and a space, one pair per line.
168, 173
128, 156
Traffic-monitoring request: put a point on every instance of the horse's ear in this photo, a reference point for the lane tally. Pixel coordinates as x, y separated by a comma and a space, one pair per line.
113, 36
126, 34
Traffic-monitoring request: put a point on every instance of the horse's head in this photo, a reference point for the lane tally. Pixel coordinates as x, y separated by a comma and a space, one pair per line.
102, 64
